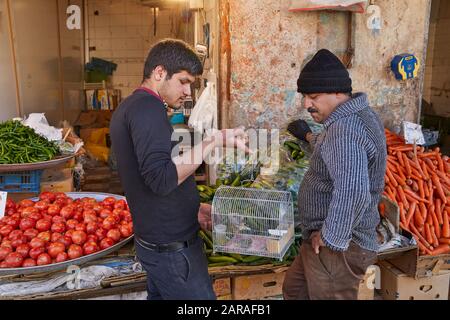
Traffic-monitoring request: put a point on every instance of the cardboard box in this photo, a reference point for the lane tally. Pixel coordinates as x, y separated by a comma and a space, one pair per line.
57, 180
395, 285
222, 287
257, 286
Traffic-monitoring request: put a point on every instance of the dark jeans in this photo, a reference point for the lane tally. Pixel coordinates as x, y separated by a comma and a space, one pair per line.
329, 275
178, 275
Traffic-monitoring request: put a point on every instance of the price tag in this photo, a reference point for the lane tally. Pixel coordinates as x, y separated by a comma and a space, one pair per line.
413, 133
3, 196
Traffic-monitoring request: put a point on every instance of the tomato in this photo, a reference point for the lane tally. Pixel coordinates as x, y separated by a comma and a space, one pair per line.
4, 251
91, 227
66, 241
27, 223
26, 203
105, 213
35, 216
58, 227
13, 222
57, 219
43, 225
60, 195
69, 233
6, 243
14, 260
116, 217
92, 238
109, 201
79, 237
30, 234
29, 263
53, 209
43, 259
23, 250
75, 251
71, 224
35, 252
46, 235
78, 216
67, 212
101, 233
109, 223
6, 230
90, 248
15, 234
41, 205
89, 217
97, 208
120, 204
10, 204
56, 248
48, 196
17, 242
114, 234
37, 243
28, 210
61, 257
61, 202
125, 231
106, 243
55, 237
3, 265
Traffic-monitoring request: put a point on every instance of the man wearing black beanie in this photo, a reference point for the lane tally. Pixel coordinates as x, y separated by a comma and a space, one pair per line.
339, 196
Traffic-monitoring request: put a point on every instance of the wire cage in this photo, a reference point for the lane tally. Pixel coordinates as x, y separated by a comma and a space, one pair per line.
252, 222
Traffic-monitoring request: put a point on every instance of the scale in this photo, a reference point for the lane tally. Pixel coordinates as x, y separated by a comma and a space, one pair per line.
405, 66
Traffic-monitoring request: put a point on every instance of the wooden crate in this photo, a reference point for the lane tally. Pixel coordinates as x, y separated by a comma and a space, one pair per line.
258, 286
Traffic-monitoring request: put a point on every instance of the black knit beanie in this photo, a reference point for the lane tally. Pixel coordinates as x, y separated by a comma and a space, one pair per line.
325, 73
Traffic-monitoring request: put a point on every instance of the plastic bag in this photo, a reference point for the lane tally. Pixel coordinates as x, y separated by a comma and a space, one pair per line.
39, 123
204, 115
340, 5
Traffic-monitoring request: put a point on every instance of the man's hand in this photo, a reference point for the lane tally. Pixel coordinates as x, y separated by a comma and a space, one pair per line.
317, 242
300, 129
232, 138
204, 217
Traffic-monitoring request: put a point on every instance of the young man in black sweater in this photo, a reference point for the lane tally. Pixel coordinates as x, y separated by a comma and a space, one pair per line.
160, 187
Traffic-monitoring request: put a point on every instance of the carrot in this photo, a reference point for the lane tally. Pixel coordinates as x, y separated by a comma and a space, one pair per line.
399, 180
424, 249
430, 214
443, 177
400, 172
423, 210
406, 148
391, 177
430, 187
439, 211
436, 225
440, 163
400, 159
415, 186
446, 227
434, 237
402, 197
442, 249
444, 241
418, 219
407, 165
428, 233
421, 238
425, 171
439, 189
411, 211
415, 196
429, 164
422, 191
402, 213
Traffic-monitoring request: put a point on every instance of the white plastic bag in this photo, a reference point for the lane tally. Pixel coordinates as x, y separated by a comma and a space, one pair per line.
341, 5
204, 115
39, 123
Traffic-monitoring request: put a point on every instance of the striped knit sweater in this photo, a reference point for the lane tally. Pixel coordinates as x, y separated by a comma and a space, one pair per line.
340, 193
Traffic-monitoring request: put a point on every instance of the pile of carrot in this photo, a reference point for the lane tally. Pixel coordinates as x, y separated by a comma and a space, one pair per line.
419, 182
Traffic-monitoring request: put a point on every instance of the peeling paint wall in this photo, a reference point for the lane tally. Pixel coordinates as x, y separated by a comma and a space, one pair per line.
269, 46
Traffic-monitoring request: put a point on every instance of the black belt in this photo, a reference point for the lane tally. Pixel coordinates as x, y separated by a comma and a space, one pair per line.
174, 246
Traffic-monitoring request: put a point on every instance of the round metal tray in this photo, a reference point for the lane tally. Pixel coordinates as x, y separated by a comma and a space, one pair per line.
75, 262
35, 166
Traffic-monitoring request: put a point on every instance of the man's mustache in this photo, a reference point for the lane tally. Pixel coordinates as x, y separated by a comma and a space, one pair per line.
313, 110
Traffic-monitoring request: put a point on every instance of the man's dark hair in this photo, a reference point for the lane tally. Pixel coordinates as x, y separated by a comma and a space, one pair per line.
175, 56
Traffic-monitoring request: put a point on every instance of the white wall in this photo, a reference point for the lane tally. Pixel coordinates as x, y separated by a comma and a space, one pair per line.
8, 107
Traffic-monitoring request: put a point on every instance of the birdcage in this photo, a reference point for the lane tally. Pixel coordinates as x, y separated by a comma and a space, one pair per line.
253, 222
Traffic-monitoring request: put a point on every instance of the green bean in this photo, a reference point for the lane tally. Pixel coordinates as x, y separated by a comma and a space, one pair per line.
20, 144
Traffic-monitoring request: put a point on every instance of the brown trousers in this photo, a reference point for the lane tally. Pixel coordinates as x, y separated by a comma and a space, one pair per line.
329, 275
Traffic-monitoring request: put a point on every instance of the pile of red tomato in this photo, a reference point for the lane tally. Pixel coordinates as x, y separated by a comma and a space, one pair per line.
58, 228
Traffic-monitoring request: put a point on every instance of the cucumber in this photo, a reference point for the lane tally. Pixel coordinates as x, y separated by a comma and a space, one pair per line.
219, 264
293, 145
252, 259
208, 242
220, 259
237, 181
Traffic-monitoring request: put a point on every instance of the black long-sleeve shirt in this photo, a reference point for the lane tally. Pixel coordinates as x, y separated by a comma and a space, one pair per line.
162, 211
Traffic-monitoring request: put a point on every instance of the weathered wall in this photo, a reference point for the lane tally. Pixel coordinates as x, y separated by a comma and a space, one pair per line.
269, 45
437, 84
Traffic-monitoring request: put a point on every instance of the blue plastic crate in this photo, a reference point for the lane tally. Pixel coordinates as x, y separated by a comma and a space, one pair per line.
25, 181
